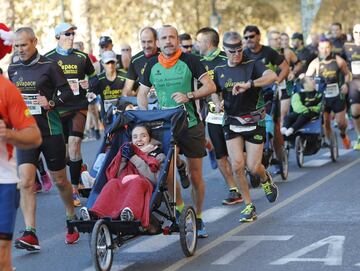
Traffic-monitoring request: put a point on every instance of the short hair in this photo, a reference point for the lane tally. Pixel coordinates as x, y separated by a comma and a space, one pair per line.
284, 34
323, 38
231, 36
251, 28
337, 24
212, 33
272, 32
152, 30
184, 36
27, 30
167, 26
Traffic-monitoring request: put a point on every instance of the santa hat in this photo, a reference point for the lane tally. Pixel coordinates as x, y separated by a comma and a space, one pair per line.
6, 40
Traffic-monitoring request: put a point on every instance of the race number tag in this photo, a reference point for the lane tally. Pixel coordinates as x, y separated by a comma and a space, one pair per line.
215, 118
355, 67
109, 103
239, 129
282, 84
30, 100
74, 85
332, 90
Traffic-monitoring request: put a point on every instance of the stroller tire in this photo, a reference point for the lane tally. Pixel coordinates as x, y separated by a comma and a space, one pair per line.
334, 147
285, 164
188, 231
102, 246
299, 151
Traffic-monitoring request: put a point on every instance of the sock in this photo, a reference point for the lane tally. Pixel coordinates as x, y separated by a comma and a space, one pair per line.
180, 207
343, 135
33, 230
75, 170
234, 189
71, 217
40, 167
199, 216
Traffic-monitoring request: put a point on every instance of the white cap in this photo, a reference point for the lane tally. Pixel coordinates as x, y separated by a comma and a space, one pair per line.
108, 56
63, 27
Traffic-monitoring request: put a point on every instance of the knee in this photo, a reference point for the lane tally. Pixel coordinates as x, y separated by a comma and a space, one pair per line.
238, 166
61, 181
254, 168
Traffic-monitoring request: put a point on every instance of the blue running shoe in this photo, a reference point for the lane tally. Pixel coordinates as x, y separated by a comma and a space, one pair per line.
202, 233
270, 189
213, 162
248, 214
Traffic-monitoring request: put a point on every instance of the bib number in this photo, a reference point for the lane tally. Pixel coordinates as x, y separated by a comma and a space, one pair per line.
282, 84
215, 118
74, 85
355, 67
30, 101
332, 90
239, 129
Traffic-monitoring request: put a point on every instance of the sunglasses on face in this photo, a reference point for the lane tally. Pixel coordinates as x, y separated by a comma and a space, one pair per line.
125, 50
68, 34
187, 46
249, 37
356, 32
233, 52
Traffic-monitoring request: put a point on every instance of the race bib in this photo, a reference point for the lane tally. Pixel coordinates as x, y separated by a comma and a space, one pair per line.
355, 67
332, 90
109, 103
30, 100
282, 84
74, 85
215, 118
239, 129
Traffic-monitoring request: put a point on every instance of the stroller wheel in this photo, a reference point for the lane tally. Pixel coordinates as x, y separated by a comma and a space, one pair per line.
285, 164
188, 231
299, 150
101, 246
334, 148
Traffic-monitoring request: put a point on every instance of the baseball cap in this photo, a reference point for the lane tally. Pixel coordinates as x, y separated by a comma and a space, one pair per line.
108, 56
63, 27
104, 40
297, 36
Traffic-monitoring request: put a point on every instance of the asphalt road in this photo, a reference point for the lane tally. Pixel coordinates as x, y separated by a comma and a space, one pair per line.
314, 225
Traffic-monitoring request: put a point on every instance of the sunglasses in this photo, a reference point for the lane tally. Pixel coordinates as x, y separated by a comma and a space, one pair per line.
187, 46
125, 50
68, 34
249, 37
233, 52
356, 32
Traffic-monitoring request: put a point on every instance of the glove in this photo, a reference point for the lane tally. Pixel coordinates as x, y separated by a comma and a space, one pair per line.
127, 150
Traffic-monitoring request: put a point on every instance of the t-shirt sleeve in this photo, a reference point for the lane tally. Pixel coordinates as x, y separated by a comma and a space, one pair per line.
131, 74
145, 78
275, 58
89, 67
18, 114
57, 76
197, 68
259, 69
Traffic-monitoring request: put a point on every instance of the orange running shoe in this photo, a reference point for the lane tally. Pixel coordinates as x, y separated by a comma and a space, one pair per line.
346, 142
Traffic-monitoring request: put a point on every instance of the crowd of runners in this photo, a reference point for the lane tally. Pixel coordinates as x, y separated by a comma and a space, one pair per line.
223, 86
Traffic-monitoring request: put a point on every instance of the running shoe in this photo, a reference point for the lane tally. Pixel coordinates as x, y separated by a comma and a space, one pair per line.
270, 189
72, 237
84, 214
127, 214
37, 187
213, 162
346, 142
76, 198
184, 178
233, 198
202, 233
46, 182
248, 214
357, 145
28, 241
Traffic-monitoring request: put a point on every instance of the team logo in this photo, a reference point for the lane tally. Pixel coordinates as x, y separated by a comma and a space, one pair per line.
222, 75
21, 79
27, 112
60, 63
258, 137
158, 72
142, 70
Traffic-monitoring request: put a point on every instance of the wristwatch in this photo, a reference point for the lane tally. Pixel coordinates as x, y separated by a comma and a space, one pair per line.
51, 103
252, 85
190, 96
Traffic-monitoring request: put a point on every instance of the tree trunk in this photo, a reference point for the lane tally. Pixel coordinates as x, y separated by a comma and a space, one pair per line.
80, 10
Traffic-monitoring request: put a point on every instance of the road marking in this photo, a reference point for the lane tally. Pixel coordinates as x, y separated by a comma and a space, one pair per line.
316, 162
250, 242
113, 267
266, 213
341, 152
333, 257
158, 242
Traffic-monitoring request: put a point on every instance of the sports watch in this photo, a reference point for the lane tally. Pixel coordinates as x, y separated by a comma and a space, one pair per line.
51, 103
190, 96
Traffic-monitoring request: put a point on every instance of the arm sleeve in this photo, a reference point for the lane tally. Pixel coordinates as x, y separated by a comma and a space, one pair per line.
145, 79
297, 105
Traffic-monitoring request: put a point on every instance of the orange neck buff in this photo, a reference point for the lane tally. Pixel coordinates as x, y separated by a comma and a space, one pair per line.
169, 62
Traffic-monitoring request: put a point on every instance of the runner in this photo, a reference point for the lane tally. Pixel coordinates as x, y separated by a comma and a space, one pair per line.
330, 67
138, 61
240, 81
39, 80
208, 41
352, 51
76, 66
314, 45
272, 60
303, 53
106, 44
337, 40
186, 44
17, 129
180, 70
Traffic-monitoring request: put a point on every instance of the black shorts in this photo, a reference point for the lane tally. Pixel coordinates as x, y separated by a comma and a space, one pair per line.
256, 136
354, 91
192, 142
216, 134
335, 104
54, 150
74, 124
285, 94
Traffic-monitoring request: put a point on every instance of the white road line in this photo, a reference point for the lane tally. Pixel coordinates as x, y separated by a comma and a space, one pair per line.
113, 268
268, 212
341, 152
316, 162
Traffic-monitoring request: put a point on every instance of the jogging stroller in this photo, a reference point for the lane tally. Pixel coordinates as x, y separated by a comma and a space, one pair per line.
108, 234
